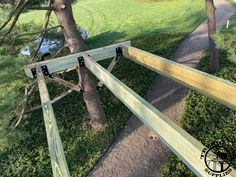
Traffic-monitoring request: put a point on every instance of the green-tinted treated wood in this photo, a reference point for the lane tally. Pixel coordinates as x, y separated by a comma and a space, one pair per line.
187, 148
216, 88
58, 160
110, 67
66, 83
71, 61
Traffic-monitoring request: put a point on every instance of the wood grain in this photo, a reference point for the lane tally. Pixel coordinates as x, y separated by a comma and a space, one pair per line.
58, 160
216, 88
187, 148
71, 61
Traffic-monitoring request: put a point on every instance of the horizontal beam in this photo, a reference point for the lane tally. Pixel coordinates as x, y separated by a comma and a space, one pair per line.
71, 61
58, 160
216, 88
179, 141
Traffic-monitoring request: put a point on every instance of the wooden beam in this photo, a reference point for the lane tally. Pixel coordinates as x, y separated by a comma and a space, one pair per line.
54, 100
179, 141
216, 88
58, 160
71, 61
65, 83
110, 67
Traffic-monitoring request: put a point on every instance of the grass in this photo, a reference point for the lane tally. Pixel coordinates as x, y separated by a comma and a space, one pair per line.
205, 119
150, 26
123, 19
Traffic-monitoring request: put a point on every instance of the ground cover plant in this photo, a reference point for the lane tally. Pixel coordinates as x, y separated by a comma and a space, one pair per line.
205, 119
150, 26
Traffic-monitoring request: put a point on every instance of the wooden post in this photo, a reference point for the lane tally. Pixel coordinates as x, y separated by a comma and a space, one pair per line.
58, 160
211, 19
187, 148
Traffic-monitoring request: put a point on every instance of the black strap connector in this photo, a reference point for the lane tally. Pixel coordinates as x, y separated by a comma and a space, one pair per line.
34, 72
81, 61
44, 69
119, 52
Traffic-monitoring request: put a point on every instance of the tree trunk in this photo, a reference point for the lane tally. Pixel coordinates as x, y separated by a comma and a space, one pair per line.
211, 18
86, 79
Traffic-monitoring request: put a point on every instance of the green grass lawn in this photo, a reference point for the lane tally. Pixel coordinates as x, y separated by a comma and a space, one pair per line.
155, 27
109, 21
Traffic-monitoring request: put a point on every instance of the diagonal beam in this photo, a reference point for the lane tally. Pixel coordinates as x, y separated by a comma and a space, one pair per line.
65, 83
110, 67
214, 87
58, 160
187, 148
54, 100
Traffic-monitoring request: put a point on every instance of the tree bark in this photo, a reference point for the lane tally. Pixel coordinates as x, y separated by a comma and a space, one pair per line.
211, 19
63, 11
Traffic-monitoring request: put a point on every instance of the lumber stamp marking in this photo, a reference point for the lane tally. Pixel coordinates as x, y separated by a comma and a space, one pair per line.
179, 141
216, 88
58, 160
71, 61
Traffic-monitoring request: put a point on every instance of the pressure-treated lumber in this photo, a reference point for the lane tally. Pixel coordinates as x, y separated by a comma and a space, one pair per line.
110, 67
58, 160
71, 61
216, 88
179, 141
54, 100
66, 83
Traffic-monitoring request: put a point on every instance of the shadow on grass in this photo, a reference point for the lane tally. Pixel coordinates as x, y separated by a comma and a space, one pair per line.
83, 146
103, 39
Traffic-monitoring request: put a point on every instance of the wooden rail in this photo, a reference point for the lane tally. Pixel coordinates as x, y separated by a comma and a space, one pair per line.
216, 88
58, 160
71, 61
187, 148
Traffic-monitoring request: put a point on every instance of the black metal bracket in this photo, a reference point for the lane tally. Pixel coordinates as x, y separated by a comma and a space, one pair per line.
81, 61
34, 72
44, 69
119, 52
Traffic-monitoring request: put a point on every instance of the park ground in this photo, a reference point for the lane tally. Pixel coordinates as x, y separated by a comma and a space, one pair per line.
150, 26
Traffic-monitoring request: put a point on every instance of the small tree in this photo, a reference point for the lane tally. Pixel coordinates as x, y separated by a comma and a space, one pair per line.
74, 42
211, 19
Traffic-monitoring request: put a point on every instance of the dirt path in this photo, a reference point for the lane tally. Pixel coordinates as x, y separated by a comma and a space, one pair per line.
134, 154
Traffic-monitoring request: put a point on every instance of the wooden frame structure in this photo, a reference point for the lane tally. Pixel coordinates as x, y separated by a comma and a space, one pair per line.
186, 147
